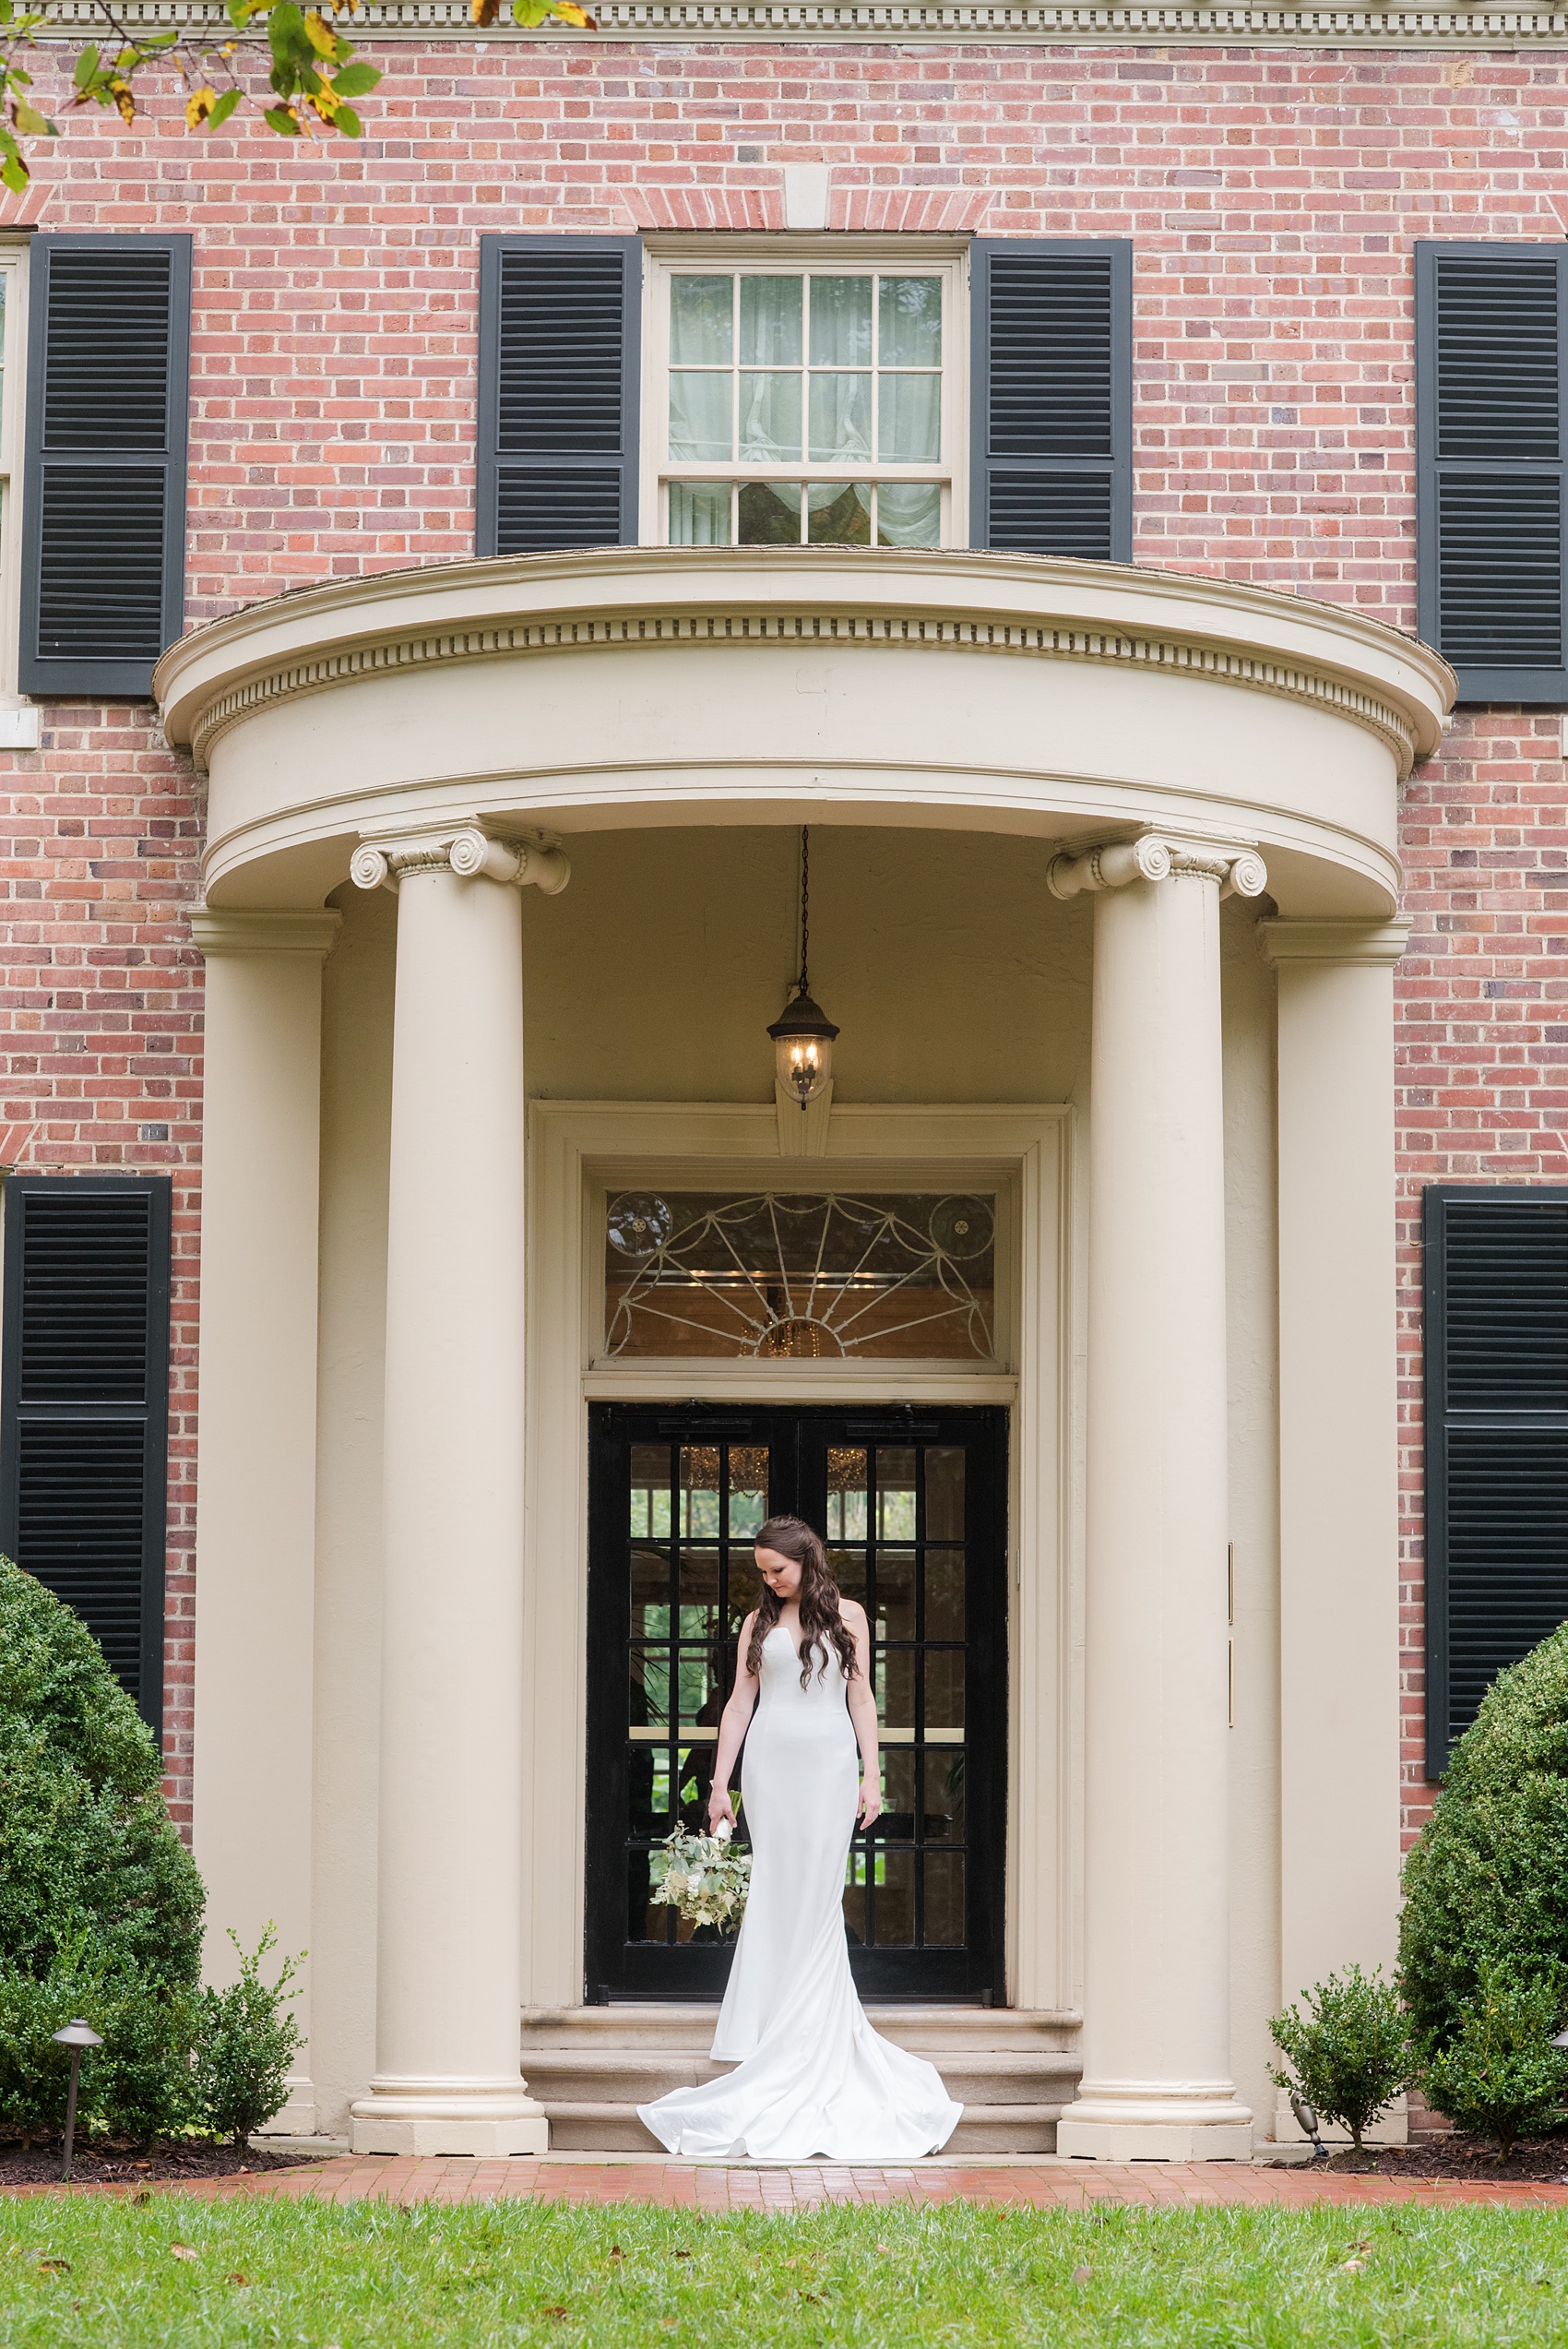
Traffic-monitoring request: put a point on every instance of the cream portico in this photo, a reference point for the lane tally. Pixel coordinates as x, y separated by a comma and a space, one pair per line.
401, 1331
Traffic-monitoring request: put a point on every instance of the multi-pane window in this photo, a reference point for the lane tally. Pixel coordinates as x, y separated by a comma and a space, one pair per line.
807, 407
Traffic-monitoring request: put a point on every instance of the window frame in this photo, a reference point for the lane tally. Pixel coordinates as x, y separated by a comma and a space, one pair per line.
796, 255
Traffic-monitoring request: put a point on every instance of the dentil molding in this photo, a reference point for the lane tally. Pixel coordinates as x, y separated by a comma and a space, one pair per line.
1069, 22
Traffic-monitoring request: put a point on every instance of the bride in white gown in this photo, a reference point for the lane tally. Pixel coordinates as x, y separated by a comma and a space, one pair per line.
812, 2076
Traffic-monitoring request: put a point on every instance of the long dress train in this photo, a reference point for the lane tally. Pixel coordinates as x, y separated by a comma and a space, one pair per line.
811, 2076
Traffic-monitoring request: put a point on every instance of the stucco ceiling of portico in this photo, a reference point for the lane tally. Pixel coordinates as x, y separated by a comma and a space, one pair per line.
960, 691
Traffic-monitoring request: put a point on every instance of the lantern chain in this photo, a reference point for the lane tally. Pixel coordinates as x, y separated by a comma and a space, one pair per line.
805, 906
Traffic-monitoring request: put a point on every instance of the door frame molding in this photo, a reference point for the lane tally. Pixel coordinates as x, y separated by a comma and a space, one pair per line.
578, 1149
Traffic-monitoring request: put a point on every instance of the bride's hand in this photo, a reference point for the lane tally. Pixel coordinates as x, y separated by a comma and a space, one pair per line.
870, 1801
719, 1806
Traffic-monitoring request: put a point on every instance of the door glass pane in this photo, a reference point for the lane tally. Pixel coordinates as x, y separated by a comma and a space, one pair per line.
838, 413
770, 322
894, 1595
699, 1491
700, 1586
899, 1775
650, 1594
702, 1685
945, 1689
748, 1489
895, 1496
945, 1594
770, 516
944, 1493
943, 1901
650, 1490
893, 1900
896, 1690
701, 320
699, 418
943, 1820
841, 322
847, 1491
650, 1686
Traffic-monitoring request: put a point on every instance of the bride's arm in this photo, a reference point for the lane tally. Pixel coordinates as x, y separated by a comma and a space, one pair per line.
733, 1722
862, 1711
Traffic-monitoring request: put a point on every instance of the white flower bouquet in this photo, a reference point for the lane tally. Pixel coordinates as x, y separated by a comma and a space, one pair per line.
704, 1879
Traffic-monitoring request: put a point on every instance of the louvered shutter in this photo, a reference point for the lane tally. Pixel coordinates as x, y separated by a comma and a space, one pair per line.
1496, 1386
559, 337
104, 497
1492, 450
1051, 337
84, 1379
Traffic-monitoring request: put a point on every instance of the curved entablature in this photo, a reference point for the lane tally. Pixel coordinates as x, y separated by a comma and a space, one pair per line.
638, 686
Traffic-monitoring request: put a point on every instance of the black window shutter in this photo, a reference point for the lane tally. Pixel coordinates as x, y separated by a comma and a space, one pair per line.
84, 1407
1496, 1385
1051, 335
103, 491
1491, 465
559, 333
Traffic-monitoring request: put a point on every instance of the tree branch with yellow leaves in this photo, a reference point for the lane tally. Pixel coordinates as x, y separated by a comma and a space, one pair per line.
314, 75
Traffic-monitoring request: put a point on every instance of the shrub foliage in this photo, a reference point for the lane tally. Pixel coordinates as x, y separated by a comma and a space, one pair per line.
1347, 2052
85, 1840
1500, 2076
1486, 1887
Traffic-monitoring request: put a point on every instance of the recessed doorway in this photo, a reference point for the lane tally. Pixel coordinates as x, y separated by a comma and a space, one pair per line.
913, 1504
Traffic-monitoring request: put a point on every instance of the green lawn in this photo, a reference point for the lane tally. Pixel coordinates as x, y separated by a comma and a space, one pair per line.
298, 2274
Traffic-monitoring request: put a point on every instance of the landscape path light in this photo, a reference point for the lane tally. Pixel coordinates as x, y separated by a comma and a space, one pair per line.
76, 2035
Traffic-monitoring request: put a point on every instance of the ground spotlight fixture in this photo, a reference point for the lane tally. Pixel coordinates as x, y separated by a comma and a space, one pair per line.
76, 2035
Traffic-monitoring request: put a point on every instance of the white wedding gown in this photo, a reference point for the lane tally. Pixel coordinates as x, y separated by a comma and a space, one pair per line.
812, 2076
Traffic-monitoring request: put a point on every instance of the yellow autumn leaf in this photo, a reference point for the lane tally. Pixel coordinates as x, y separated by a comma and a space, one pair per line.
322, 40
198, 105
570, 14
327, 101
484, 12
122, 99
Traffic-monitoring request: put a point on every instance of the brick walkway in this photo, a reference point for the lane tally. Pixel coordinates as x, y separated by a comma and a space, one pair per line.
712, 2187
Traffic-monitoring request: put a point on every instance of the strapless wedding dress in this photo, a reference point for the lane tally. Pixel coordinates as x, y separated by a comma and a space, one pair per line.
812, 2076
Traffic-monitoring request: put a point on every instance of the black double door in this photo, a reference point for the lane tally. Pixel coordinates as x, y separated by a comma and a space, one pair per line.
913, 1508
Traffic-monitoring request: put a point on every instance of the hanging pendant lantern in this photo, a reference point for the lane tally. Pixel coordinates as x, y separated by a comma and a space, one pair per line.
804, 1035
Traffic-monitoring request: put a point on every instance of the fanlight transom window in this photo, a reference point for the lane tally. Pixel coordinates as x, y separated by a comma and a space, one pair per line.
897, 1276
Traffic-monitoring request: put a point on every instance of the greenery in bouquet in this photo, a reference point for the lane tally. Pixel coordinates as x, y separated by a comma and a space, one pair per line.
704, 1878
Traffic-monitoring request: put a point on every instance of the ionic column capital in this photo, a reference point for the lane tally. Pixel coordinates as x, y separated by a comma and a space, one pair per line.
467, 850
1159, 856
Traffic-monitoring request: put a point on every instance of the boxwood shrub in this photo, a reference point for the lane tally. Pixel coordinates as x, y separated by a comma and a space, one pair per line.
1485, 1885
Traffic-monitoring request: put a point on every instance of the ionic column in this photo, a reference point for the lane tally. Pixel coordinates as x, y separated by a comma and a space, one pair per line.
1156, 2028
255, 1511
448, 1984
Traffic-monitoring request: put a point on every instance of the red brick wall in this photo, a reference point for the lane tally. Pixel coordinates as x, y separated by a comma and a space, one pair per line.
1273, 197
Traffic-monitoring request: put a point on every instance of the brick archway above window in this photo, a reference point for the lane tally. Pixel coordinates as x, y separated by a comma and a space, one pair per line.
909, 212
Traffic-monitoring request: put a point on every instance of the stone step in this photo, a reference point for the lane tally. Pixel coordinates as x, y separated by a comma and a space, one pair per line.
599, 2076
985, 2128
690, 2025
592, 2066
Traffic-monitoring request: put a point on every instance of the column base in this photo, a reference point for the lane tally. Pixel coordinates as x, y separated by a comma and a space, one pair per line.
1148, 2122
296, 2116
482, 2119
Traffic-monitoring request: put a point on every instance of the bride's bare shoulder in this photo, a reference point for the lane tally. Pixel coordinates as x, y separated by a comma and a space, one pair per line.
854, 1613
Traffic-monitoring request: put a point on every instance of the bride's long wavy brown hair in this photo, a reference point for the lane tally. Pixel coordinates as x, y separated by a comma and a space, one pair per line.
820, 1619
